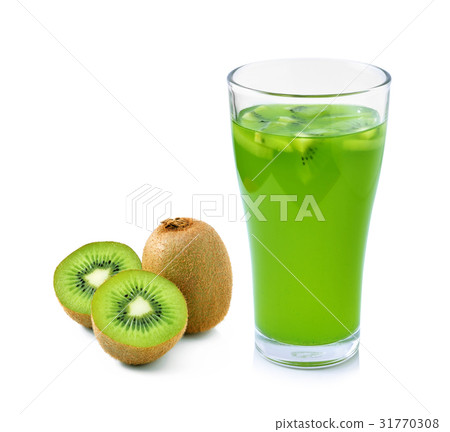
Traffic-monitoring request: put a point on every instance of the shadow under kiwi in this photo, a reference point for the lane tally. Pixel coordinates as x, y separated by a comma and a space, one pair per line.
155, 366
208, 334
87, 330
166, 362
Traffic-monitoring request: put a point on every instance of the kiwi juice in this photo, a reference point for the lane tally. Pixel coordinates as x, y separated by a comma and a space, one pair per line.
312, 171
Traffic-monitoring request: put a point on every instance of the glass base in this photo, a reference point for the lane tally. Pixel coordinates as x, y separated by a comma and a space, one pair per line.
307, 357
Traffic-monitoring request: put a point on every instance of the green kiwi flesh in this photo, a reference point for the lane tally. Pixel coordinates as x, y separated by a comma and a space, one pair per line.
138, 316
79, 275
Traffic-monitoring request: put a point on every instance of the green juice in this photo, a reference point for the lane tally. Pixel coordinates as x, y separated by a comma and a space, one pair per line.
308, 176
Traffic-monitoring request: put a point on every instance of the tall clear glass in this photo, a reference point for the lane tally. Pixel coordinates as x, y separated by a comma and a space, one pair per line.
308, 139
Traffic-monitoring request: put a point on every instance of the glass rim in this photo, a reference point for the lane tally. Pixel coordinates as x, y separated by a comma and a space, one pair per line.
385, 83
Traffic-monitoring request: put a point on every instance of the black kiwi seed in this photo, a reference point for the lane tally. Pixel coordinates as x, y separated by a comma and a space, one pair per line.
297, 109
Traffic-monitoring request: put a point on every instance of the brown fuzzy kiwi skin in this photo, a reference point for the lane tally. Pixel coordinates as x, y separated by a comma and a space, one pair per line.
80, 318
192, 255
134, 355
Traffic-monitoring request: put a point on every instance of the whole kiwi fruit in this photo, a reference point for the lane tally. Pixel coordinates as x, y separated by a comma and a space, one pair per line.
192, 255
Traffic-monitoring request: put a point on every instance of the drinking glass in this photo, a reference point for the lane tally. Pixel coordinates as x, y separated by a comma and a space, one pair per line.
308, 138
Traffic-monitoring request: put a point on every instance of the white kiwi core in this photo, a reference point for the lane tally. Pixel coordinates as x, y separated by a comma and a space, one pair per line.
138, 307
97, 277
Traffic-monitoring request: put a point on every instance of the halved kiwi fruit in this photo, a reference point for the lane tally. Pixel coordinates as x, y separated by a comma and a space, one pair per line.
138, 316
83, 271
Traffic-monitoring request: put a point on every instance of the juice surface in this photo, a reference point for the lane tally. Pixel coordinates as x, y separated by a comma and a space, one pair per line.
313, 172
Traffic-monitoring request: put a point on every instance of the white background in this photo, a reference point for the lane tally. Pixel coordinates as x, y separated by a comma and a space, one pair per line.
76, 81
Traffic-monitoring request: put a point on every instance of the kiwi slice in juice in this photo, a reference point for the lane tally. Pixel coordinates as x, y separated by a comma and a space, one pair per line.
83, 271
271, 128
306, 120
245, 139
302, 140
138, 316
